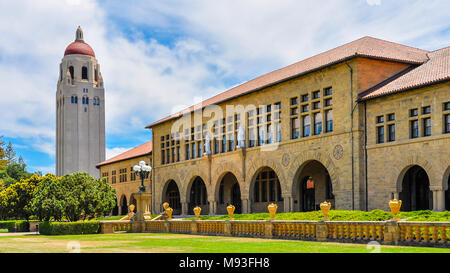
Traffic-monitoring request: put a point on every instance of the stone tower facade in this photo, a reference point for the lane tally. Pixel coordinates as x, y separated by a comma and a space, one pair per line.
80, 111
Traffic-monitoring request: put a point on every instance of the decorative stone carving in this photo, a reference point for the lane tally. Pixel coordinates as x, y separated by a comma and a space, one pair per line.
325, 207
230, 210
285, 160
169, 212
272, 210
395, 206
197, 211
338, 152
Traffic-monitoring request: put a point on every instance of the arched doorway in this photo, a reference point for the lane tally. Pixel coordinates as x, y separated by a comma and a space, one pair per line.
416, 194
229, 193
312, 186
198, 196
124, 205
266, 189
172, 196
115, 210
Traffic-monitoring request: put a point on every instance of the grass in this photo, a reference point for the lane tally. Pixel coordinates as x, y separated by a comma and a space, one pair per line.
340, 215
3, 230
178, 243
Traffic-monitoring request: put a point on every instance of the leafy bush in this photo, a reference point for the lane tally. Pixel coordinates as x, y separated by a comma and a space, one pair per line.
69, 228
22, 225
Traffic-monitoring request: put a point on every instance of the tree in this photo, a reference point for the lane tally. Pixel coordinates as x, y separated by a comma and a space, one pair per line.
16, 199
85, 195
10, 154
48, 200
17, 171
3, 161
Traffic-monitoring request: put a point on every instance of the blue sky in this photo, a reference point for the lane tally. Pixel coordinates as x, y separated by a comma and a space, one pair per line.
159, 56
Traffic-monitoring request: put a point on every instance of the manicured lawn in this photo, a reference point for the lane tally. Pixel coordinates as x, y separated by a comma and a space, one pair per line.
177, 243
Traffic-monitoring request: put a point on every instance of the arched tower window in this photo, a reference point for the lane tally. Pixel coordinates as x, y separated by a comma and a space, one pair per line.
71, 71
84, 73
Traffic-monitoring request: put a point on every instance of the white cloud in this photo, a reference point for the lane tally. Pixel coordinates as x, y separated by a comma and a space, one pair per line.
211, 42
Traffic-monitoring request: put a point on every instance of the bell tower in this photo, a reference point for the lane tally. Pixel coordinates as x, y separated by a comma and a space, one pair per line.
80, 110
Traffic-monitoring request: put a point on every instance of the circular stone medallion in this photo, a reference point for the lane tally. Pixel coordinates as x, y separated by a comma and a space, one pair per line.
338, 152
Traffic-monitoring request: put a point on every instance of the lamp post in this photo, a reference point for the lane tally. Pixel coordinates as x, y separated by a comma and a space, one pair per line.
142, 170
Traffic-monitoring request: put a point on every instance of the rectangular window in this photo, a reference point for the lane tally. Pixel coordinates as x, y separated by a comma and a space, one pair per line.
391, 132
317, 123
390, 117
295, 128
305, 98
328, 102
329, 120
413, 112
380, 134
187, 152
251, 137
380, 119
426, 110
294, 111
216, 146
294, 101
305, 108
306, 121
315, 95
316, 105
446, 106
414, 128
427, 127
328, 91
447, 123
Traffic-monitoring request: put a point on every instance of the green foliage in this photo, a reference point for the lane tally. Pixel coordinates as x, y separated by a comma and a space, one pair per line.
48, 200
340, 215
66, 228
10, 154
16, 199
13, 226
17, 171
86, 196
3, 161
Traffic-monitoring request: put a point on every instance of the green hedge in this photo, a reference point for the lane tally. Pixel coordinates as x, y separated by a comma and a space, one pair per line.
66, 228
22, 225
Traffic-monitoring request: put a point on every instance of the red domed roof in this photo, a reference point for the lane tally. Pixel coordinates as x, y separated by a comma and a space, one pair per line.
79, 47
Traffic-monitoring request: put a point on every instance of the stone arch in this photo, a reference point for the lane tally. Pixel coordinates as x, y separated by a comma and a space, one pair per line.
415, 190
219, 178
255, 166
304, 158
187, 174
230, 184
222, 169
200, 199
400, 168
123, 205
265, 195
176, 206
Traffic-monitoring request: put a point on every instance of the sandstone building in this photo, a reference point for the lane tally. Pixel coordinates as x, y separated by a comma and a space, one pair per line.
118, 171
357, 125
80, 111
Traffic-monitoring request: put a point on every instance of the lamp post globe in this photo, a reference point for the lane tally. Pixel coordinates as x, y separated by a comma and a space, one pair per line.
142, 170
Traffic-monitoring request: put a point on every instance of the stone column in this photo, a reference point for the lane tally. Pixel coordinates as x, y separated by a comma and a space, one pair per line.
212, 207
184, 208
245, 206
438, 200
142, 203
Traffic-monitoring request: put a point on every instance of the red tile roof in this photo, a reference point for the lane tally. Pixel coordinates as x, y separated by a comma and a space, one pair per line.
364, 47
436, 69
141, 150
